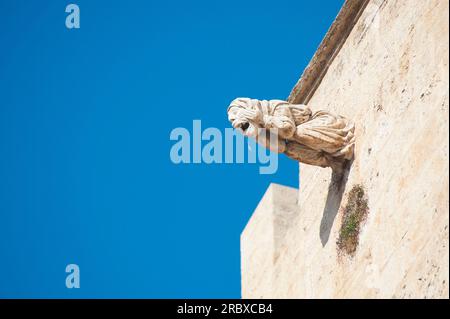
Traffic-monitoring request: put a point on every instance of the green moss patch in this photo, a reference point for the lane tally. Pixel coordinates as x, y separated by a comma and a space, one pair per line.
354, 215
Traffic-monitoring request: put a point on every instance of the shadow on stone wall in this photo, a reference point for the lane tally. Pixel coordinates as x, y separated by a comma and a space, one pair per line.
336, 190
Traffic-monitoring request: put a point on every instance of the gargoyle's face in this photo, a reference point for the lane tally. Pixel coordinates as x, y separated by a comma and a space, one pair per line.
240, 123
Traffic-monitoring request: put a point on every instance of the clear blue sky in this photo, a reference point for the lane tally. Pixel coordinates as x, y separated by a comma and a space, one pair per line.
85, 171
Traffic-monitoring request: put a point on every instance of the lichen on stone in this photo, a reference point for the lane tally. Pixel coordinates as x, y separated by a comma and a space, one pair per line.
354, 215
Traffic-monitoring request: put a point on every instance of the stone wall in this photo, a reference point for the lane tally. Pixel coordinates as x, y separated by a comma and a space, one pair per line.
391, 77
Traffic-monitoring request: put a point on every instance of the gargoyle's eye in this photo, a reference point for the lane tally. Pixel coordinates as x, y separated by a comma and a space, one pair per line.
245, 126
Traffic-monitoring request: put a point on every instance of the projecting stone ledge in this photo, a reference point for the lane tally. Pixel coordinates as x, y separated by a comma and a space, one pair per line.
263, 238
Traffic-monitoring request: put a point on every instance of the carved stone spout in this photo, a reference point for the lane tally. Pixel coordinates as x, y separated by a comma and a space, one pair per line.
316, 138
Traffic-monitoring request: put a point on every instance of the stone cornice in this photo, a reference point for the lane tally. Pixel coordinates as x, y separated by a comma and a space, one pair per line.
328, 49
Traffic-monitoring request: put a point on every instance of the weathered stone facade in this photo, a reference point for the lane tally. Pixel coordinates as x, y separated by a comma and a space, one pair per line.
391, 77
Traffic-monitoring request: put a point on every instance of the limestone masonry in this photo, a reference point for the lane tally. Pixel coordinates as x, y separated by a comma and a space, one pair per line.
384, 65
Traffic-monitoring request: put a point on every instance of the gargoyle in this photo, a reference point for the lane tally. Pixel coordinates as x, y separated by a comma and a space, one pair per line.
316, 138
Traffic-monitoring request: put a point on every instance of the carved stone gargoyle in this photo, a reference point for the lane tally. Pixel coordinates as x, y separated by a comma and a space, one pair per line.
316, 138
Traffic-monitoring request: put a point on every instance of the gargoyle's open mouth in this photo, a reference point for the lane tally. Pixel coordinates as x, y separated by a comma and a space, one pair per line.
245, 126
